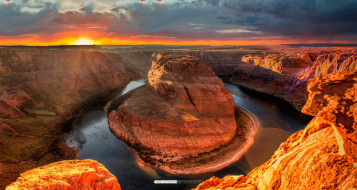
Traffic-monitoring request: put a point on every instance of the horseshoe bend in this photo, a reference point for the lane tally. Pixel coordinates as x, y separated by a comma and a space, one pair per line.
183, 120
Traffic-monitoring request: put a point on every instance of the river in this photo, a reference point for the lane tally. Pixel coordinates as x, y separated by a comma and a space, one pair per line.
91, 135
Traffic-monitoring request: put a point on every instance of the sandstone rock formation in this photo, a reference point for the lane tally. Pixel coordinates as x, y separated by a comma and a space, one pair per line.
41, 90
66, 175
183, 111
333, 97
286, 73
331, 62
323, 155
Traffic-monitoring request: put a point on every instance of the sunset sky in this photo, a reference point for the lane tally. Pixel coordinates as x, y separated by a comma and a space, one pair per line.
177, 22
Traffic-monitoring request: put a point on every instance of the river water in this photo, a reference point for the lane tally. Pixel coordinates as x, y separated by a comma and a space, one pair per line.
91, 135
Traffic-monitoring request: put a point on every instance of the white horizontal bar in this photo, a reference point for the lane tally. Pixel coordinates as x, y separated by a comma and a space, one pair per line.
165, 181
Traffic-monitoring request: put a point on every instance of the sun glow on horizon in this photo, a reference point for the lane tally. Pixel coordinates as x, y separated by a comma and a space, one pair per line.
73, 38
84, 41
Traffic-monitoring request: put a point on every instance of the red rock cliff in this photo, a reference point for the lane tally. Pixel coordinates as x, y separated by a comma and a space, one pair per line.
323, 155
67, 175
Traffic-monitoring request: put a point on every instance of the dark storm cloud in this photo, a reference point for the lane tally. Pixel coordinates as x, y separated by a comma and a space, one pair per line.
295, 17
178, 18
84, 18
15, 22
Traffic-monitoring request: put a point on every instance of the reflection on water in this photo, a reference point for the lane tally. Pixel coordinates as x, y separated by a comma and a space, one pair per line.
278, 121
90, 126
91, 135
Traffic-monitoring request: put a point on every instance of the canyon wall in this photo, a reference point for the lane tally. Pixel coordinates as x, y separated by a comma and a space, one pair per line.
67, 175
137, 61
286, 72
40, 90
223, 61
321, 156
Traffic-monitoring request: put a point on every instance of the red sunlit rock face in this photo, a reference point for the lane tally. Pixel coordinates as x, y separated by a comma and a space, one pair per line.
323, 155
67, 175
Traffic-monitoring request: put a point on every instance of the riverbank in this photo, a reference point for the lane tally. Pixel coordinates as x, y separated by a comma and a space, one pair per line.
248, 126
296, 104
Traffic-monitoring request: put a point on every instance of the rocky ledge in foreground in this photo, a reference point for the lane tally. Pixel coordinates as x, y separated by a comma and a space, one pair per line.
67, 175
184, 119
323, 155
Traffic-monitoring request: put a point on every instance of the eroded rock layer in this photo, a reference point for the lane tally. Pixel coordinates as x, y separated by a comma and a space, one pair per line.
322, 156
40, 89
67, 175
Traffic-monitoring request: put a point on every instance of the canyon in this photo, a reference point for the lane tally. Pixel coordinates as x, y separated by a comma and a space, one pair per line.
182, 120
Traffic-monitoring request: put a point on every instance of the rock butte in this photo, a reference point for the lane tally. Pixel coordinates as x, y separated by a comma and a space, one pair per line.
323, 155
183, 111
67, 175
40, 89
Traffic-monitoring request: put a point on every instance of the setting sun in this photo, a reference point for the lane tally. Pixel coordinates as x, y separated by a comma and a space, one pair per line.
84, 41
